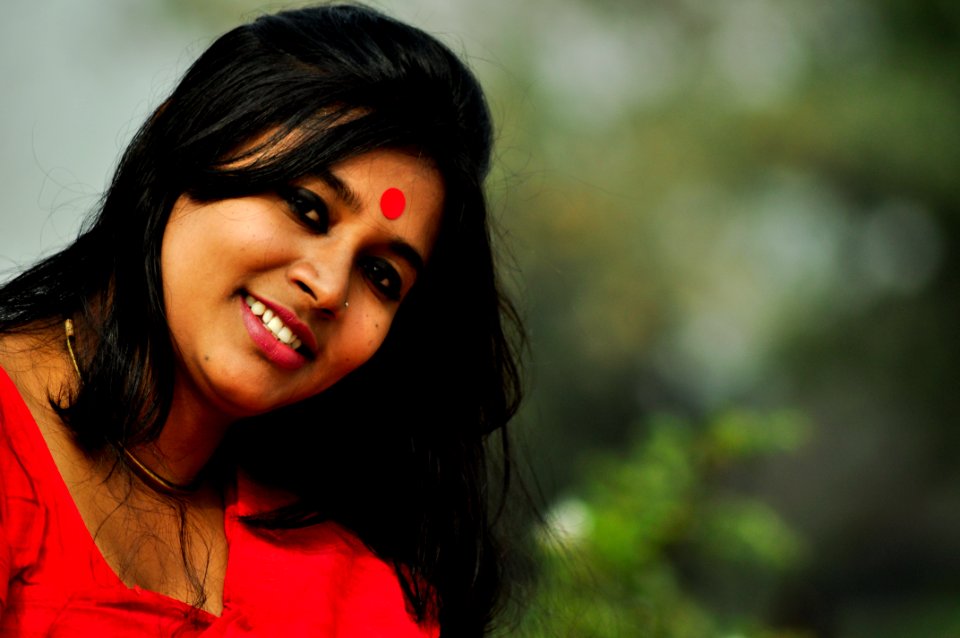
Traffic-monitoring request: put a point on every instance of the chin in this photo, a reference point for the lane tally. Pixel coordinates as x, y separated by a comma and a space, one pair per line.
243, 401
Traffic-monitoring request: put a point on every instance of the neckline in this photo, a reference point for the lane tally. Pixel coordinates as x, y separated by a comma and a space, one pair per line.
31, 435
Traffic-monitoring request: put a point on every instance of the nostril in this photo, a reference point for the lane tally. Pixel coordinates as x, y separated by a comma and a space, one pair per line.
305, 288
325, 287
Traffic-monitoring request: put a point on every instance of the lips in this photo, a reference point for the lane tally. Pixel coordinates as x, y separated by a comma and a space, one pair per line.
280, 335
273, 322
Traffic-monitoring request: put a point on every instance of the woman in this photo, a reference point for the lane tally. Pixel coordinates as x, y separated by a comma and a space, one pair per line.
252, 397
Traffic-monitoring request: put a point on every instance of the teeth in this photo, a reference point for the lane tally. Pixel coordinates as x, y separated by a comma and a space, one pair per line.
273, 323
256, 307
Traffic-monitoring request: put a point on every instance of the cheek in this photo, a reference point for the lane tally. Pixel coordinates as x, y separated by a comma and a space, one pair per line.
362, 340
179, 285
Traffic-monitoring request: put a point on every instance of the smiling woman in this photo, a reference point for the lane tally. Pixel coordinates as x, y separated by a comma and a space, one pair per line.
239, 402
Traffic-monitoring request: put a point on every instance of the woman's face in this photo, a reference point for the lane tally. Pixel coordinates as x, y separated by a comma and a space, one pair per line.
273, 298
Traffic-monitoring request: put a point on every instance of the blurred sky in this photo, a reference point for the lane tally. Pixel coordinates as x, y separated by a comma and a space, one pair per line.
79, 77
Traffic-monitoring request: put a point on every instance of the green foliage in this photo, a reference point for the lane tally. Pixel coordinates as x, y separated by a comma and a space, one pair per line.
627, 554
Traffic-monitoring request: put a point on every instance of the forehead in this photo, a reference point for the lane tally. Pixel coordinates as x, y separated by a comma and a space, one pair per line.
401, 193
361, 182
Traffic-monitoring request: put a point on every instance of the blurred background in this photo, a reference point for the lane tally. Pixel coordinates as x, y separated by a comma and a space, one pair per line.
731, 228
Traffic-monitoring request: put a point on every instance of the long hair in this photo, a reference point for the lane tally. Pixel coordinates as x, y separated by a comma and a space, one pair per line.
396, 450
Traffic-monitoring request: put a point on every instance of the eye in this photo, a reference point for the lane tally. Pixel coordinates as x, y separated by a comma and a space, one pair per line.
307, 206
384, 277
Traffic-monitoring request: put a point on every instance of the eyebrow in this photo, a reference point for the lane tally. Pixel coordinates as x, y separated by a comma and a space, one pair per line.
348, 196
343, 192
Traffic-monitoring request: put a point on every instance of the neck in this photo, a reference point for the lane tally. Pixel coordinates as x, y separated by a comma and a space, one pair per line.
188, 440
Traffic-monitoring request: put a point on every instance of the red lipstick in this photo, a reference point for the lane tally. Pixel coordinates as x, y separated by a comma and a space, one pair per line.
279, 353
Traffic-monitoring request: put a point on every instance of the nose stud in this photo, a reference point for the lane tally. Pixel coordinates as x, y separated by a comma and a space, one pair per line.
346, 304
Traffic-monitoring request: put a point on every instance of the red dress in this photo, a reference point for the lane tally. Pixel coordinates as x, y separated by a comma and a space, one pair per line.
316, 581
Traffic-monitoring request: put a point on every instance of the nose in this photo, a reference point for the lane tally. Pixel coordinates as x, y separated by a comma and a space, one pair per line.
325, 280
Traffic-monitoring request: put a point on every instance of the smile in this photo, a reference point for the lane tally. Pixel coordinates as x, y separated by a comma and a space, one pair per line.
273, 323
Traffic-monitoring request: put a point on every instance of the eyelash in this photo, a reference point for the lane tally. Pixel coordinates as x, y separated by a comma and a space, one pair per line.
383, 276
303, 202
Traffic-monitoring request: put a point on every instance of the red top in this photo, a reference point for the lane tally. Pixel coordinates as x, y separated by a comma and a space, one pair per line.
316, 581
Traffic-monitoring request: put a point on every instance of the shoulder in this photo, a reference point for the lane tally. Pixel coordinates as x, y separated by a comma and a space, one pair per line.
32, 368
17, 447
22, 514
325, 578
19, 440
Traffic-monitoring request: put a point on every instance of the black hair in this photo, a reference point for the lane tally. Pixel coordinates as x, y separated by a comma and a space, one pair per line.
396, 451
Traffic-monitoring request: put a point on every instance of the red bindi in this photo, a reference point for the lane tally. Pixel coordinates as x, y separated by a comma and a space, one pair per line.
392, 203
